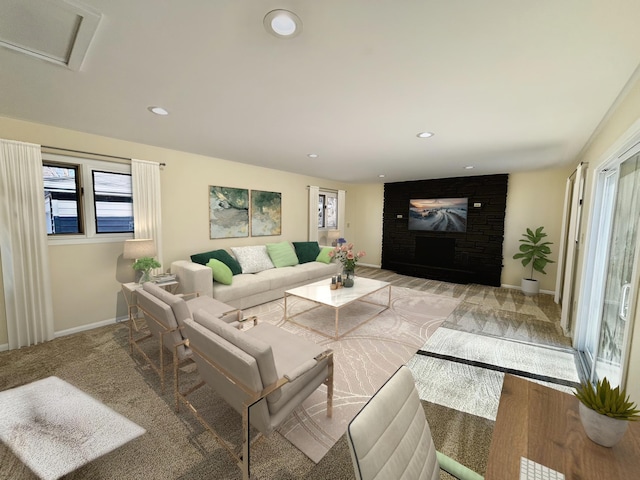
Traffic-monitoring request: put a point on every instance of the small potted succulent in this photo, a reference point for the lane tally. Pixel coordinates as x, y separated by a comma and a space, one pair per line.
533, 251
605, 413
145, 264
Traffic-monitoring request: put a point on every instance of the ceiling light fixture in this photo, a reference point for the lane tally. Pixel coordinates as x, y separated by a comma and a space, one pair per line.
158, 110
424, 135
468, 167
312, 155
282, 23
381, 175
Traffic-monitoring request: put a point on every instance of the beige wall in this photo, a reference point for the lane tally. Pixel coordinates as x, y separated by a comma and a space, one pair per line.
534, 199
87, 277
364, 220
623, 121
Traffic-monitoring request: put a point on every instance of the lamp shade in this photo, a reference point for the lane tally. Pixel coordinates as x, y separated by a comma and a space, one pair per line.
333, 235
138, 248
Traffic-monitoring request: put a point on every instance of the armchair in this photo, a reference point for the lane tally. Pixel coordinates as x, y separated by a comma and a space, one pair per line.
390, 437
264, 373
165, 314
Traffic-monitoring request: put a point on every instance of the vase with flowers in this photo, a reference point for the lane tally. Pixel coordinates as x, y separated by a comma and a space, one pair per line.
345, 254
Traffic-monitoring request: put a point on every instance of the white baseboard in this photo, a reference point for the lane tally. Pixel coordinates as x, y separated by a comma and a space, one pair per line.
90, 326
82, 328
369, 265
516, 287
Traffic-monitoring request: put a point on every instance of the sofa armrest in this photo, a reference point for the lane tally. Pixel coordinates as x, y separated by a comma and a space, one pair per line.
193, 277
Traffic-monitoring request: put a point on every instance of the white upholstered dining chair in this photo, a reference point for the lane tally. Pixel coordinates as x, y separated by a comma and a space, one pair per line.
390, 437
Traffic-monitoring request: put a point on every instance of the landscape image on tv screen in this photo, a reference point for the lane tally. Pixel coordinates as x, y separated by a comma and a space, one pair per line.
438, 214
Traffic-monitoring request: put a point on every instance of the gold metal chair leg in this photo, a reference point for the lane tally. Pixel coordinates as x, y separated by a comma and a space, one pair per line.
330, 388
245, 444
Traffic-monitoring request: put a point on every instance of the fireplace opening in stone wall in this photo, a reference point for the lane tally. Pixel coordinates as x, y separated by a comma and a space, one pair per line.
435, 251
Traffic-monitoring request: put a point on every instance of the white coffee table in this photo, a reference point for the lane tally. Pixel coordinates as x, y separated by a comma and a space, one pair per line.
321, 294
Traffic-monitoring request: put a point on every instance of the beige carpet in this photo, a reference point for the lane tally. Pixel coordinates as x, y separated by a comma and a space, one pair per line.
177, 447
364, 359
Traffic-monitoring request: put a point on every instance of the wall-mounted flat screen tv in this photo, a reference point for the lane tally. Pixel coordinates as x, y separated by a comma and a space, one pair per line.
438, 214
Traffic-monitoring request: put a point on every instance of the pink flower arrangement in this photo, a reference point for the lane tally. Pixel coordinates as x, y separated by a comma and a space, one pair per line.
347, 257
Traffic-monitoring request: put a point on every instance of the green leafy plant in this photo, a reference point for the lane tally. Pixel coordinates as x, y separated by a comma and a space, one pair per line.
603, 399
534, 251
145, 264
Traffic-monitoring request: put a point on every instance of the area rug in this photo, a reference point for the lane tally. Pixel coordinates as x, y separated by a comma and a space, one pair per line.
464, 371
364, 359
54, 428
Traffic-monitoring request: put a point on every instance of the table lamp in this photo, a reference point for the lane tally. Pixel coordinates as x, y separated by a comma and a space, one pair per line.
333, 237
142, 250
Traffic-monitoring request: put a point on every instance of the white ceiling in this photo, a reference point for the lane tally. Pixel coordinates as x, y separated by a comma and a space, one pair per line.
505, 85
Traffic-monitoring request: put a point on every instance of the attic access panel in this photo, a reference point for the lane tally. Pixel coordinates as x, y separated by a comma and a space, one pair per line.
57, 30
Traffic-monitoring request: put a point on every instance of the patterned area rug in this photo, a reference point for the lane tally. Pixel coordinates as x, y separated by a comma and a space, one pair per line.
54, 428
364, 359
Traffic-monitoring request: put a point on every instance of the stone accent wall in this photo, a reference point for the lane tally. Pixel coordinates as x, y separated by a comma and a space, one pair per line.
478, 251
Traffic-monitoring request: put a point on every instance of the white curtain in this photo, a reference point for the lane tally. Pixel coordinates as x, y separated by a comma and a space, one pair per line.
23, 245
313, 213
147, 218
342, 206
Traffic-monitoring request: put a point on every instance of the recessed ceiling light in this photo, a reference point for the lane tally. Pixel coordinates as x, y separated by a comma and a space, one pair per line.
282, 23
468, 167
158, 110
312, 155
381, 175
424, 135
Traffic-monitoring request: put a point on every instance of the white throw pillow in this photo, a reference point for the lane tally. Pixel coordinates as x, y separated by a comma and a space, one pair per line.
253, 259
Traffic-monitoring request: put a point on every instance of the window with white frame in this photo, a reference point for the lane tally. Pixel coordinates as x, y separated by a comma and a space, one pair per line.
87, 198
327, 210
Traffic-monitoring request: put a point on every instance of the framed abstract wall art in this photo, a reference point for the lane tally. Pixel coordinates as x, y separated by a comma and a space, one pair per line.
228, 212
266, 213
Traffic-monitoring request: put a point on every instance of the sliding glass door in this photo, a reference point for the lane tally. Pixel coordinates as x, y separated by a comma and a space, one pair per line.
612, 265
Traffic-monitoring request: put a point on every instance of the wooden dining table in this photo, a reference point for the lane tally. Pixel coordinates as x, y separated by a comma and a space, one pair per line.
543, 425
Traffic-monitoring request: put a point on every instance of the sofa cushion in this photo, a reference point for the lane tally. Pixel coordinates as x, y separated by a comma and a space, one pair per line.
278, 278
282, 254
314, 271
222, 255
323, 256
243, 285
221, 272
253, 258
306, 251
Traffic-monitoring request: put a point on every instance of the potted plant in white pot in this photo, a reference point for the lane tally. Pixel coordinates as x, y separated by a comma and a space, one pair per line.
533, 251
605, 413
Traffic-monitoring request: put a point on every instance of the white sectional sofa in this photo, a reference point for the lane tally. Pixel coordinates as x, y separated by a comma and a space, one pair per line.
265, 282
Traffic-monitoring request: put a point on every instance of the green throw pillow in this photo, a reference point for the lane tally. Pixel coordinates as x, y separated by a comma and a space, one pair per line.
282, 254
306, 251
222, 255
323, 256
221, 273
